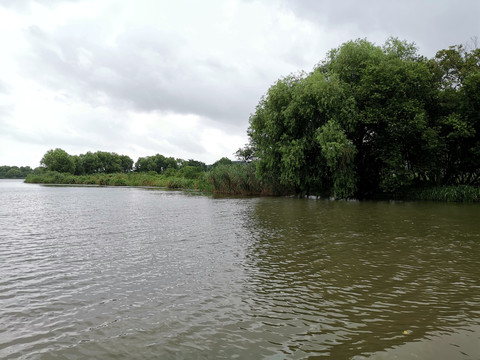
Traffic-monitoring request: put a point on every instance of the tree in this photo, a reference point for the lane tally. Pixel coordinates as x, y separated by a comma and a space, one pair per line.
245, 154
14, 172
339, 153
458, 113
222, 161
91, 163
198, 164
58, 160
143, 164
172, 163
126, 163
285, 126
79, 168
370, 119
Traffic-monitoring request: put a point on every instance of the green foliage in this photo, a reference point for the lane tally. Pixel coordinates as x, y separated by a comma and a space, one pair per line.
371, 119
339, 153
111, 169
460, 193
222, 161
196, 164
91, 163
84, 164
14, 172
157, 163
235, 179
190, 172
245, 154
170, 172
58, 160
122, 179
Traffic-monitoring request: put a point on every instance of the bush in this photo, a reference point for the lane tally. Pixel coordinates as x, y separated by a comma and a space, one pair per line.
190, 172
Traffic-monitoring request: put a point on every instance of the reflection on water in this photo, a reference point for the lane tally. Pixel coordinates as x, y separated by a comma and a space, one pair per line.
340, 279
134, 273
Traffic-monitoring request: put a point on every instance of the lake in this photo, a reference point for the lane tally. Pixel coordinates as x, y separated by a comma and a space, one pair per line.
136, 273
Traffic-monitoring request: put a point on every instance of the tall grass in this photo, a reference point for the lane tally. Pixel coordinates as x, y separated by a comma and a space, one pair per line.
175, 181
238, 179
459, 193
235, 179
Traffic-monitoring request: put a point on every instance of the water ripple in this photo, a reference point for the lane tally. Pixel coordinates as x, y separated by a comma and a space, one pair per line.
117, 273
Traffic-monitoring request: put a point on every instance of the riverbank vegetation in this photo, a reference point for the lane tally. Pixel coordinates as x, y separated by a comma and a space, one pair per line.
225, 177
14, 172
369, 121
458, 193
372, 120
180, 180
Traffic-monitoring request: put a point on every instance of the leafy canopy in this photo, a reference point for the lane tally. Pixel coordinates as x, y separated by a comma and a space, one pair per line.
371, 119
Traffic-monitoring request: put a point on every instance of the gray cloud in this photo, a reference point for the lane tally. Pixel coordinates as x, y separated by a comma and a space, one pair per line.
432, 24
147, 69
143, 71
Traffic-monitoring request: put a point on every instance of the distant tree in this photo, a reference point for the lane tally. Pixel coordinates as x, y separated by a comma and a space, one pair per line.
222, 161
245, 154
196, 163
79, 168
25, 170
109, 162
126, 163
172, 163
14, 172
58, 160
190, 172
91, 163
157, 163
151, 163
142, 164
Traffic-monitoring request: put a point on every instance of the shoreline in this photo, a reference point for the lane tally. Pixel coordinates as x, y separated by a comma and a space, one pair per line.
458, 193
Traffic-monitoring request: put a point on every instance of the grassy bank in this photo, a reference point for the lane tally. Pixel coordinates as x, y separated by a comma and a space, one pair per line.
233, 179
197, 182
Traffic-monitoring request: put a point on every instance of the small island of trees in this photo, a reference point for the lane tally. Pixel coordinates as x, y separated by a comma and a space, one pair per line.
368, 121
14, 172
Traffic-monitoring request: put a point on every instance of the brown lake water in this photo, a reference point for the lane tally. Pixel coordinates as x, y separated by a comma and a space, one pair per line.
132, 273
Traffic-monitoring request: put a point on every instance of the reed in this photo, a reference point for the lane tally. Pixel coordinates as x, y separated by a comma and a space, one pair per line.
235, 179
175, 181
459, 193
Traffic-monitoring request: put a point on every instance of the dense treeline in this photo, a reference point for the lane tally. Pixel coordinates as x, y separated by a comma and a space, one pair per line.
89, 163
14, 172
371, 120
102, 162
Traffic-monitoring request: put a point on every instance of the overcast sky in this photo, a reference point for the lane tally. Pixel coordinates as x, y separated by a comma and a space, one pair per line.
179, 78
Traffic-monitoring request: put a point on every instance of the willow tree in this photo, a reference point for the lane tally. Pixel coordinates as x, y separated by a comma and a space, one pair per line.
284, 131
357, 124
